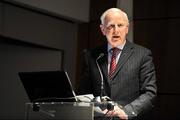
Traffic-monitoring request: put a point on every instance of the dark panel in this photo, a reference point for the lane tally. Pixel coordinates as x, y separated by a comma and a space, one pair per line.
1, 18
96, 37
162, 37
83, 39
158, 9
156, 26
168, 107
97, 7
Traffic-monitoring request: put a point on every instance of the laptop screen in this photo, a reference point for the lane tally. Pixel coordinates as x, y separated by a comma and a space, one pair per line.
48, 86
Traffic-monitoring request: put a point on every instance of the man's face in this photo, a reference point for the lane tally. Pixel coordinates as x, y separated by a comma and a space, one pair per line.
115, 28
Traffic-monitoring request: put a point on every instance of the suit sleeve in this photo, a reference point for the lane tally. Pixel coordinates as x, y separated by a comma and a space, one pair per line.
148, 89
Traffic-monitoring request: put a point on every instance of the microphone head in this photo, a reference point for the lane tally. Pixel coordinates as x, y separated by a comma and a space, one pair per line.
100, 55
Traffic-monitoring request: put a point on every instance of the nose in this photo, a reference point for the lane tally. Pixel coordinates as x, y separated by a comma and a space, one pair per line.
116, 29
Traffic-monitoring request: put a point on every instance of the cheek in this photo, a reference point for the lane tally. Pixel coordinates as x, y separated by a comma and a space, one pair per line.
108, 33
124, 32
109, 36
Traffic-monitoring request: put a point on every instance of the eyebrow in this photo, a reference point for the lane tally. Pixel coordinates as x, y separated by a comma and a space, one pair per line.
110, 23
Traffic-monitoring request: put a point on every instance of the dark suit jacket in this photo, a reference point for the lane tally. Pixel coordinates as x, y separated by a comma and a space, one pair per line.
134, 82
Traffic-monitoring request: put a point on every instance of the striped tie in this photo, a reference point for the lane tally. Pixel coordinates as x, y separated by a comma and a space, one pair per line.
115, 52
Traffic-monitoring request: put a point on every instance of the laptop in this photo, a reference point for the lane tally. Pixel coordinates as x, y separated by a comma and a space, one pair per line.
48, 86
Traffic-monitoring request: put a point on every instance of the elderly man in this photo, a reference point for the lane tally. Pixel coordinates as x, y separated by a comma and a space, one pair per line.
128, 72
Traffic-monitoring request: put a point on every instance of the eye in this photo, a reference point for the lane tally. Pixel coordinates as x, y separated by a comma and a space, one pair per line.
120, 25
110, 27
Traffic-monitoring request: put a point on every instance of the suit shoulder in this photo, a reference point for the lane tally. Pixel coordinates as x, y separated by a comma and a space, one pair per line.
140, 47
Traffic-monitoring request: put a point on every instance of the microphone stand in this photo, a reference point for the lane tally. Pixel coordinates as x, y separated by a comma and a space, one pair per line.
110, 105
102, 78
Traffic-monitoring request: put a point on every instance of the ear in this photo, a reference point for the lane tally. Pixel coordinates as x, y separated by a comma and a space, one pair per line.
127, 29
102, 29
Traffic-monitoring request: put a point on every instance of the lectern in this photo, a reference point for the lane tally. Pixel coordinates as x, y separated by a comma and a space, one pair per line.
53, 98
59, 111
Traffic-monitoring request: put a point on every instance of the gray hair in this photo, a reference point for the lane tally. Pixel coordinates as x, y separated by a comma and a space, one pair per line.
102, 18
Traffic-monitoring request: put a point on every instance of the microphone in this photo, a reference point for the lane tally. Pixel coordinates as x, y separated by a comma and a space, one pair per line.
105, 105
100, 72
104, 101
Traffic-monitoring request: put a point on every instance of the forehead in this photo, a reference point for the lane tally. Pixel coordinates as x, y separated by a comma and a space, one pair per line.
115, 17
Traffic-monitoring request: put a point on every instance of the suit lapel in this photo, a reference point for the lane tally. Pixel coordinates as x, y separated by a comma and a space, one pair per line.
126, 53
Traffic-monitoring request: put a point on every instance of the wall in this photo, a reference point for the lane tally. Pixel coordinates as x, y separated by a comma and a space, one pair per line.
69, 9
31, 41
17, 58
32, 27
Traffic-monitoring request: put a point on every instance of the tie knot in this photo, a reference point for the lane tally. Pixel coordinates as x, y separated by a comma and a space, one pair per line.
115, 51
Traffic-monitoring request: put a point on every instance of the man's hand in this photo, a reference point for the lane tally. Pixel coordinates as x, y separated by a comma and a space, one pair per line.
117, 111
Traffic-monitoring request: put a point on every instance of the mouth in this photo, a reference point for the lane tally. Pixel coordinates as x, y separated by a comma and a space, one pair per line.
116, 36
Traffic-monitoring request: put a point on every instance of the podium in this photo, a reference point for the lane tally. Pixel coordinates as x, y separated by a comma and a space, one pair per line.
59, 111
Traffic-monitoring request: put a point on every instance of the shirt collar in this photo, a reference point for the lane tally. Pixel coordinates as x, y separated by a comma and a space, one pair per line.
119, 46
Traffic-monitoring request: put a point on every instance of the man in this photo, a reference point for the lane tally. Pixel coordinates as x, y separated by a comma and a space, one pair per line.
128, 72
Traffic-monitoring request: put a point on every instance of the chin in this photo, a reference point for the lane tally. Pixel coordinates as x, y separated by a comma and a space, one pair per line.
114, 45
